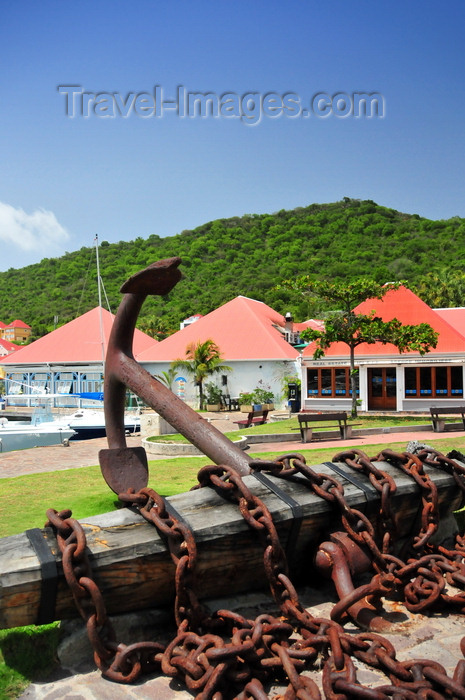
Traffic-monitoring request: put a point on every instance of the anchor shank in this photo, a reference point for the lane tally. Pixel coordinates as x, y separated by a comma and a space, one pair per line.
123, 371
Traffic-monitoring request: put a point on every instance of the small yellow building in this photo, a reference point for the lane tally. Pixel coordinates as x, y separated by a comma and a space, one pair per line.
16, 332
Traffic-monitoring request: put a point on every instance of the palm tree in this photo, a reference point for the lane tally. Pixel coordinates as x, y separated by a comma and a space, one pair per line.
158, 328
167, 378
202, 360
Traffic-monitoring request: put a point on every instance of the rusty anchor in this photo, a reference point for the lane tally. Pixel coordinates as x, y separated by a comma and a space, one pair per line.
125, 468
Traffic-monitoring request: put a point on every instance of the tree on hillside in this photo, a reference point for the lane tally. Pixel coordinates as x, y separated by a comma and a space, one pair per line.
442, 289
156, 327
346, 326
202, 360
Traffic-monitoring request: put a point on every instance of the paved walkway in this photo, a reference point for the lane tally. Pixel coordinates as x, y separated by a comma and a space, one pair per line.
339, 445
79, 453
84, 453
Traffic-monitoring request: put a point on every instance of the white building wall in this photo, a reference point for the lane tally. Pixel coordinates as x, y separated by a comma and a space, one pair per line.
363, 387
400, 388
245, 376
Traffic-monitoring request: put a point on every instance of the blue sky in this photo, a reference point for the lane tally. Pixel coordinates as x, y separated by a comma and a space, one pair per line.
64, 179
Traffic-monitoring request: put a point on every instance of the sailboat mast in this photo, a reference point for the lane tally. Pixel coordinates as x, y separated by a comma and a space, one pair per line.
99, 285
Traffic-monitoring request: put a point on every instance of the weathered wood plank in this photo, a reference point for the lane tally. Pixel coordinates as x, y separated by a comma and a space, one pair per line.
133, 567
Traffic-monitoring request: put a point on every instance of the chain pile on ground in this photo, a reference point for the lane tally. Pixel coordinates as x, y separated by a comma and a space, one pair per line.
222, 655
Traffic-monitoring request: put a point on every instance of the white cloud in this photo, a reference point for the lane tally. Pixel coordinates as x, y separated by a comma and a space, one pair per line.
31, 232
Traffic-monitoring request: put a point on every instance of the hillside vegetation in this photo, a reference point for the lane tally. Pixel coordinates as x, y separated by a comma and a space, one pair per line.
249, 255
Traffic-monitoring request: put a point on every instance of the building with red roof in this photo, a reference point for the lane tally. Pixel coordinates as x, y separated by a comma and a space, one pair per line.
68, 360
6, 347
16, 332
389, 380
188, 321
454, 317
255, 341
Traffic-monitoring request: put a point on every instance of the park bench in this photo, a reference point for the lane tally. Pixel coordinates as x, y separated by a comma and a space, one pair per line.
253, 418
307, 423
438, 414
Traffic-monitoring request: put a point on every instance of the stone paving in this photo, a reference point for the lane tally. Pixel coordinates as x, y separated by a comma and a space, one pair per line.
79, 453
414, 637
417, 636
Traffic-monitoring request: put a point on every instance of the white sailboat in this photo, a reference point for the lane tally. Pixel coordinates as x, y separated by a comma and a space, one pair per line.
83, 422
41, 430
90, 422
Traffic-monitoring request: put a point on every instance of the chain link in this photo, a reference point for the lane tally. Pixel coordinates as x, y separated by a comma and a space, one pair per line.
224, 655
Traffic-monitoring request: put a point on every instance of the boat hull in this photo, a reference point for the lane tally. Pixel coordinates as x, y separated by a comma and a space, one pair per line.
91, 424
22, 439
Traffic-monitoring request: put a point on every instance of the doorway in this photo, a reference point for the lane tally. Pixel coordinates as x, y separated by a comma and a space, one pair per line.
382, 389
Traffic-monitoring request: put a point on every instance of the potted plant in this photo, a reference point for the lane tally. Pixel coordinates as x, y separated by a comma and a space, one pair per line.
264, 396
212, 397
246, 401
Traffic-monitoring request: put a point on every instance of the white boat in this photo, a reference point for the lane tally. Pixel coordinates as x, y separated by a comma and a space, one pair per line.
90, 423
85, 423
42, 430
21, 437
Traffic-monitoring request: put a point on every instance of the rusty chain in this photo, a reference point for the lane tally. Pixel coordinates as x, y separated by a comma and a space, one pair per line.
117, 662
422, 578
224, 655
384, 485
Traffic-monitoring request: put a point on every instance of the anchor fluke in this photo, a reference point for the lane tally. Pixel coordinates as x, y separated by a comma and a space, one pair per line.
122, 466
158, 278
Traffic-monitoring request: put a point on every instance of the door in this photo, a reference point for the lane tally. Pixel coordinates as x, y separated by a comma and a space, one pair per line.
382, 389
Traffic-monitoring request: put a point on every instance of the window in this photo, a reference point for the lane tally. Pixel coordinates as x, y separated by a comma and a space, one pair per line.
329, 382
65, 384
92, 381
39, 383
292, 337
434, 382
16, 383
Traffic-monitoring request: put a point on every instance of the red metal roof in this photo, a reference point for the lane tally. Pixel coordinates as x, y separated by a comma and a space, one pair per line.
243, 329
76, 342
409, 309
2, 325
9, 347
454, 317
17, 324
311, 323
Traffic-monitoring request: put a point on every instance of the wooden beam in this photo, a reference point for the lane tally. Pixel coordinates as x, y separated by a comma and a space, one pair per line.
134, 570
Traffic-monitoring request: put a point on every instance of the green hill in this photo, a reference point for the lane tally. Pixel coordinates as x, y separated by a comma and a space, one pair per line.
249, 255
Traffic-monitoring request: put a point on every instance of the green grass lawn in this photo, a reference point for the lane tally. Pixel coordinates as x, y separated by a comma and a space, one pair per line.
291, 425
27, 654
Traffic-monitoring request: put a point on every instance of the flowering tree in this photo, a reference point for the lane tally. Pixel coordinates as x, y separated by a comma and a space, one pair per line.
346, 326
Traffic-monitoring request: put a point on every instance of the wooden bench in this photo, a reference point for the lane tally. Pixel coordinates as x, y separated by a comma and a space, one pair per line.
440, 423
339, 420
253, 418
